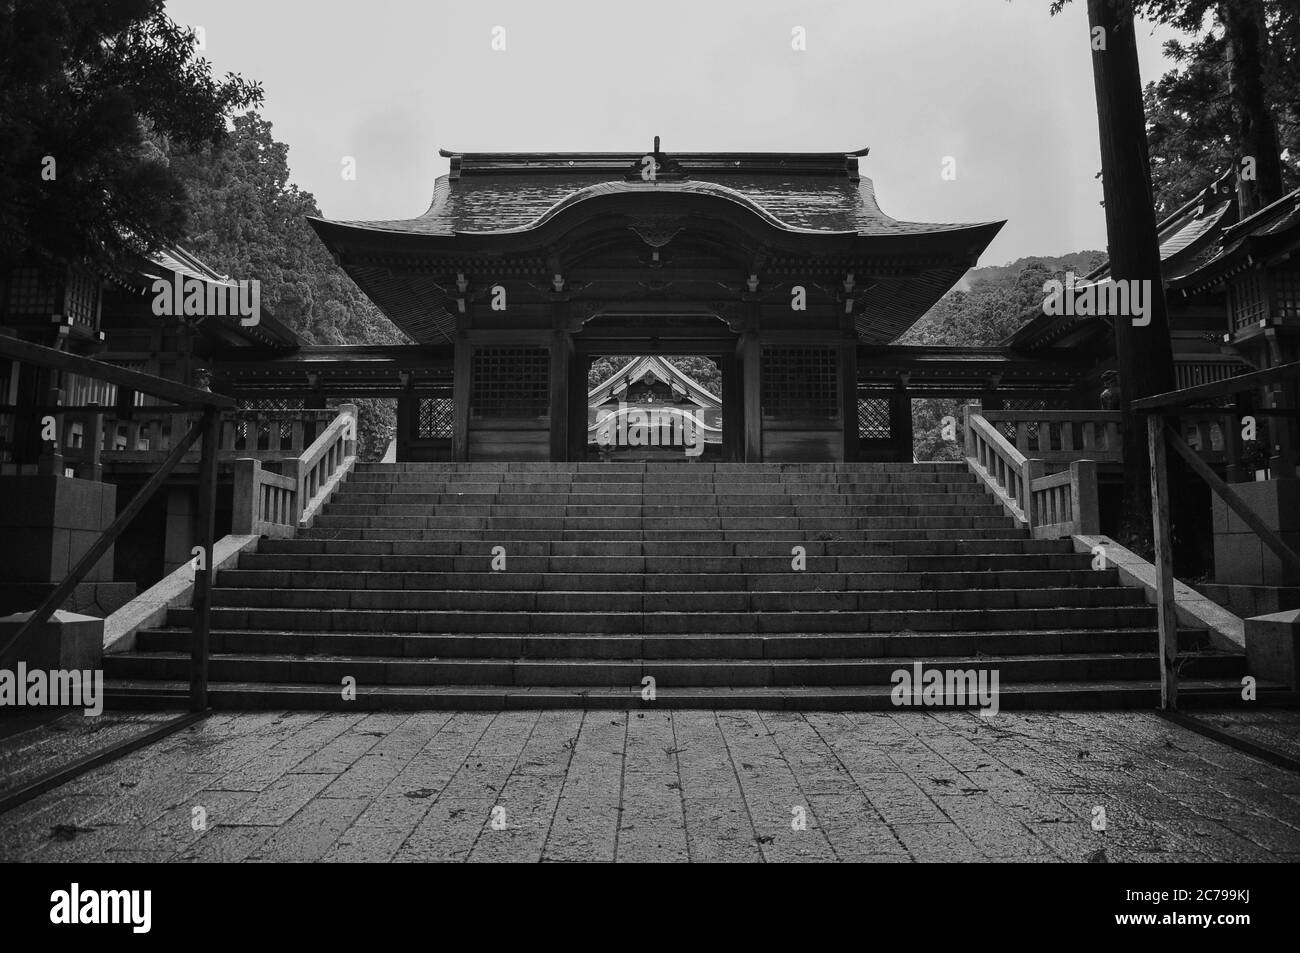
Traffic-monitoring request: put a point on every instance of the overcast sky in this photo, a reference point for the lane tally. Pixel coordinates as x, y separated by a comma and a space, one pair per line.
999, 85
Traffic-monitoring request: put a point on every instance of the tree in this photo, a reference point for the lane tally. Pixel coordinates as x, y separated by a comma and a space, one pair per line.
246, 219
1234, 95
1143, 353
82, 83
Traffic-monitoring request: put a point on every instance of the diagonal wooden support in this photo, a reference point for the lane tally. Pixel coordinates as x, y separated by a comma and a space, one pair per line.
1235, 502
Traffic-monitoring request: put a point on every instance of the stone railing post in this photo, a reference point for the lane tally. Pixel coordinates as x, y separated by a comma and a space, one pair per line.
244, 515
1083, 494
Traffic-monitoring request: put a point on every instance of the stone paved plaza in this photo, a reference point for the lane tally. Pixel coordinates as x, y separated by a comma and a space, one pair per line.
668, 786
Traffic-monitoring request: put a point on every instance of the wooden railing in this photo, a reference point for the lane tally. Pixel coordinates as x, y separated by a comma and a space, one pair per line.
1061, 436
91, 436
1166, 416
267, 503
186, 401
1049, 505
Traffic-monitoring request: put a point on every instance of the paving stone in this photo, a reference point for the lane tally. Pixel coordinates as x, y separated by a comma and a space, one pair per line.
670, 785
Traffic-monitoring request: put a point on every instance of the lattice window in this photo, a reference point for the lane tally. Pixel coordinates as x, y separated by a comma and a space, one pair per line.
1192, 373
800, 382
272, 403
435, 418
1286, 294
873, 418
32, 291
83, 298
1246, 300
1020, 404
510, 382
253, 434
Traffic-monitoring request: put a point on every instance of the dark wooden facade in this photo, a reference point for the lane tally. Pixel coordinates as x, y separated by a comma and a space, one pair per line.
780, 267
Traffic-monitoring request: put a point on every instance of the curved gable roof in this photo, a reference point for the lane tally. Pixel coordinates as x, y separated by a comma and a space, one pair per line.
636, 370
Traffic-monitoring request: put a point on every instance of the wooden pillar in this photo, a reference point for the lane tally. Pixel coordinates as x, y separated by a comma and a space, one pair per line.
733, 406
560, 383
848, 364
199, 645
461, 370
900, 423
579, 371
751, 360
408, 422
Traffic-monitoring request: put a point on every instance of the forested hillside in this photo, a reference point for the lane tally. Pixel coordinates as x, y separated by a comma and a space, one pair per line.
248, 220
1000, 299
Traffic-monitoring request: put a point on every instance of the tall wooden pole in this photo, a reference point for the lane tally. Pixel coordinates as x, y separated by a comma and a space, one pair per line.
1143, 351
202, 625
1166, 615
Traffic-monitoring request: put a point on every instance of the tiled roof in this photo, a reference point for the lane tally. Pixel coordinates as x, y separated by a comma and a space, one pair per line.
490, 197
806, 200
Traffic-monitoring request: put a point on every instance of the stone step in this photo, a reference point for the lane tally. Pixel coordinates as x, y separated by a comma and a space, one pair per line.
848, 484
661, 565
1084, 695
683, 572
934, 645
674, 510
484, 580
668, 674
685, 538
742, 601
922, 620
721, 497
791, 525
673, 549
656, 467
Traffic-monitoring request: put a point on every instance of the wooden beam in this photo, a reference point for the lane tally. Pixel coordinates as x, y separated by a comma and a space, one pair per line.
27, 353
1235, 502
751, 359
1219, 389
1166, 616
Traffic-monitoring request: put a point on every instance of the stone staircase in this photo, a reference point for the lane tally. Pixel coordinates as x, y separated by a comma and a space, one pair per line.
681, 573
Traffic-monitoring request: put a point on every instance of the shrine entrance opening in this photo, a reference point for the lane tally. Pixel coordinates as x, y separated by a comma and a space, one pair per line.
654, 386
